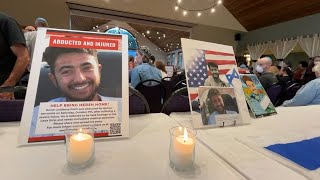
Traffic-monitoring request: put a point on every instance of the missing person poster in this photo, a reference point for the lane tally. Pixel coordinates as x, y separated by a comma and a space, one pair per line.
77, 80
210, 65
257, 98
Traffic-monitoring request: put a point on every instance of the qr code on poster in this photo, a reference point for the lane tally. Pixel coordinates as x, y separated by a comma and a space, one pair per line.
115, 128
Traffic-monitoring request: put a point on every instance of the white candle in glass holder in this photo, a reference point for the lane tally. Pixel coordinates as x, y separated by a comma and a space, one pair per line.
183, 151
81, 148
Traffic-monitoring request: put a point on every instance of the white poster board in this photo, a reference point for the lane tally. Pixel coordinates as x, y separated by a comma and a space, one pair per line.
222, 77
77, 80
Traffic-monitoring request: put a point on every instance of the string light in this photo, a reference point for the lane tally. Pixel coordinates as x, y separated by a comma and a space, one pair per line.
185, 13
198, 11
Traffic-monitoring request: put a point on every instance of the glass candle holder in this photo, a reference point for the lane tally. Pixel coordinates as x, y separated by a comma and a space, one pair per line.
80, 147
182, 148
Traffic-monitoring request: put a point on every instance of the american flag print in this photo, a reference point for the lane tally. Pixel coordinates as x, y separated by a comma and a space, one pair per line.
198, 71
197, 55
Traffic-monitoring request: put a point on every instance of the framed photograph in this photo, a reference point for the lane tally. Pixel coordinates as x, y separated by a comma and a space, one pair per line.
256, 97
77, 80
212, 65
218, 106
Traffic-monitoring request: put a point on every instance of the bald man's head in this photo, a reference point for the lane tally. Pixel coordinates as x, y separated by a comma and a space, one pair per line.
265, 63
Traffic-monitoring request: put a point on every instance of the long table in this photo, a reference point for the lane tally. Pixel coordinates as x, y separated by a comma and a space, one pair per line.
230, 143
143, 156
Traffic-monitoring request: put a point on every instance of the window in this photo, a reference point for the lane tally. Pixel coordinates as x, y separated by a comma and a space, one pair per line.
169, 59
180, 60
173, 59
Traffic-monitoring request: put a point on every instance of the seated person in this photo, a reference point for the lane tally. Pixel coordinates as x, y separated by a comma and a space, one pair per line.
145, 70
274, 70
285, 76
162, 67
215, 98
308, 94
309, 75
266, 78
299, 72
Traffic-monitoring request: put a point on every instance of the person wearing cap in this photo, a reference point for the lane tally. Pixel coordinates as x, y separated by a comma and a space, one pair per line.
41, 22
14, 57
31, 36
145, 70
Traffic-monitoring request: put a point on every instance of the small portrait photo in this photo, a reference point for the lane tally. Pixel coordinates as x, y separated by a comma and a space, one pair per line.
218, 104
209, 68
256, 96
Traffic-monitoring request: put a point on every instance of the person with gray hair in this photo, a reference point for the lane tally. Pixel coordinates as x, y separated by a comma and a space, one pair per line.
266, 78
145, 70
308, 94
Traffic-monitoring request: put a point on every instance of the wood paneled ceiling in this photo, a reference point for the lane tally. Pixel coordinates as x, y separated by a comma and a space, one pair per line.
84, 23
255, 14
170, 42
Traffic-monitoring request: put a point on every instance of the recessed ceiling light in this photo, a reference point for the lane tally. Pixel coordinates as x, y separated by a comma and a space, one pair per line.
185, 13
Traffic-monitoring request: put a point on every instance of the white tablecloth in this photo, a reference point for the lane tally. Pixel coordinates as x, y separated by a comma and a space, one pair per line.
289, 125
143, 156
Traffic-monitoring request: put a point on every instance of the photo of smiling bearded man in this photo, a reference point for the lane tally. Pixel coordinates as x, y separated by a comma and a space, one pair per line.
76, 74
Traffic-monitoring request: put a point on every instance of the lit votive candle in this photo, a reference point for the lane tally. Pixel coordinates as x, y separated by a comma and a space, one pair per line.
182, 148
80, 148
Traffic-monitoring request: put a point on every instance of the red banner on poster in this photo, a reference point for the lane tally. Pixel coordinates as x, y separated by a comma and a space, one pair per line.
68, 42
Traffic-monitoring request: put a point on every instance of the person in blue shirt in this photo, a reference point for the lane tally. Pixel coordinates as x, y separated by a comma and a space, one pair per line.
76, 73
145, 70
309, 94
215, 98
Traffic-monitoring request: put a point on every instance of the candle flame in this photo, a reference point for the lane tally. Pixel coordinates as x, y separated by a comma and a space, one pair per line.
80, 130
185, 135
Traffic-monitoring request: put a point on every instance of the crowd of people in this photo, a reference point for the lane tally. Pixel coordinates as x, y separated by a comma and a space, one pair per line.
145, 67
306, 75
17, 46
